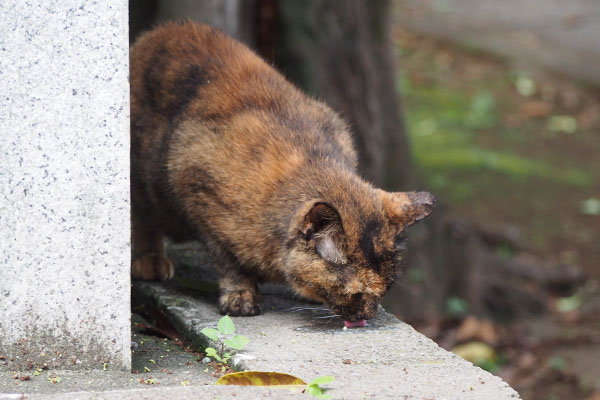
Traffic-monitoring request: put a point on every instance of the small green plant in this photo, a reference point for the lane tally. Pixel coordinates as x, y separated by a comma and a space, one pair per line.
225, 336
314, 388
456, 306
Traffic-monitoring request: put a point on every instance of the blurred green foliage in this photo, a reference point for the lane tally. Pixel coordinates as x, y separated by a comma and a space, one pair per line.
503, 148
456, 307
590, 206
443, 126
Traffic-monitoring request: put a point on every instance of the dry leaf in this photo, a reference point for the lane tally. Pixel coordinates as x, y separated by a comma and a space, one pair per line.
475, 329
535, 109
261, 378
475, 352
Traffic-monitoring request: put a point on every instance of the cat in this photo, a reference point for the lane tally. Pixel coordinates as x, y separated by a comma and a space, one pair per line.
224, 150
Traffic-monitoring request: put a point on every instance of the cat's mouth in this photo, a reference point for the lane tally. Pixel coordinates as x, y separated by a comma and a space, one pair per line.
355, 313
356, 319
355, 324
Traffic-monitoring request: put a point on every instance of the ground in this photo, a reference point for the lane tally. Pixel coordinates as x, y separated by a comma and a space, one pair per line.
506, 148
155, 361
514, 150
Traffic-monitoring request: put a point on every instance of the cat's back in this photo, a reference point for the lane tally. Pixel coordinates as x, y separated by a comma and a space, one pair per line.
211, 117
177, 64
190, 72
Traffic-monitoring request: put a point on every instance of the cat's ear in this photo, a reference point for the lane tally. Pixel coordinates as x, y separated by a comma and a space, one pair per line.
406, 208
322, 223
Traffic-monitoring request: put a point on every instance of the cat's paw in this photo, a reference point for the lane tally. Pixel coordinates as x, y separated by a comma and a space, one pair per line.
239, 303
152, 267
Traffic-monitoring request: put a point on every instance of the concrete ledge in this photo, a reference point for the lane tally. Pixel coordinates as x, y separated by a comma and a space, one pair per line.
387, 359
170, 393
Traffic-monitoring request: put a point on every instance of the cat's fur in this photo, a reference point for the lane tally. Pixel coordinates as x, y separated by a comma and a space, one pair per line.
224, 150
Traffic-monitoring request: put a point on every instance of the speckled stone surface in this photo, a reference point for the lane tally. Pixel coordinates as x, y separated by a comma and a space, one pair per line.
64, 183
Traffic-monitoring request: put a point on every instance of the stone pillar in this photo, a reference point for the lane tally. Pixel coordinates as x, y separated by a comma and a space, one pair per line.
64, 183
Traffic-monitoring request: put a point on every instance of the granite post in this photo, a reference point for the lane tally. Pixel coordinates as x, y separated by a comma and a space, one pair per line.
64, 184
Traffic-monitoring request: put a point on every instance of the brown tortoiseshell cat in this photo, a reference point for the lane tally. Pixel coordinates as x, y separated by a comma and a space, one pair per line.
224, 150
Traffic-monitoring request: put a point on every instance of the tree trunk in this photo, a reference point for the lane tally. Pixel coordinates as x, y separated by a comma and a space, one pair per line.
230, 16
341, 52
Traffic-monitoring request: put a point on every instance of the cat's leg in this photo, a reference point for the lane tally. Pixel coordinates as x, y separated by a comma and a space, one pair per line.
238, 292
149, 259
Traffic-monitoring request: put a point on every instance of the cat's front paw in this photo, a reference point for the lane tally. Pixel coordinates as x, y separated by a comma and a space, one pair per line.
239, 303
152, 267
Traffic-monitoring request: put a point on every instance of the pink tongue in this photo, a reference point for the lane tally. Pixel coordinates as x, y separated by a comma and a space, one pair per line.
357, 324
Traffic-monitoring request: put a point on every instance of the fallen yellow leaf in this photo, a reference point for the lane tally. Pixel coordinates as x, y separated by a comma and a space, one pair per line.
475, 352
261, 378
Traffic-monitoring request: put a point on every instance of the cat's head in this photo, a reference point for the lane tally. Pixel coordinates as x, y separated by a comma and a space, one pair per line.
347, 251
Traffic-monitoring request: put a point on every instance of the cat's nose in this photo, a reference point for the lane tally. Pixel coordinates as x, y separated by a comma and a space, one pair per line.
363, 306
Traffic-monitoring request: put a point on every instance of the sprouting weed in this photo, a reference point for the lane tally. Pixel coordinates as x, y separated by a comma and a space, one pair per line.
225, 337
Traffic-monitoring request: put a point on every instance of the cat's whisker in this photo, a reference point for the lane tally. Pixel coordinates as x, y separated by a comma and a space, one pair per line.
297, 309
328, 316
403, 284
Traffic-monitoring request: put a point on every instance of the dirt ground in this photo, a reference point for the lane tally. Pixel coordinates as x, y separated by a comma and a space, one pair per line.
515, 150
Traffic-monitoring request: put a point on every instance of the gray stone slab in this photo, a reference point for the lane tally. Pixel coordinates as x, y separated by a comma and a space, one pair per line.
64, 183
387, 359
208, 392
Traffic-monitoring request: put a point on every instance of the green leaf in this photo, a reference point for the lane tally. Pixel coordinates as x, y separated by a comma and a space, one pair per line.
590, 206
313, 390
210, 352
321, 380
480, 114
210, 333
226, 325
558, 363
316, 391
567, 304
504, 250
456, 306
562, 123
525, 85
476, 352
237, 342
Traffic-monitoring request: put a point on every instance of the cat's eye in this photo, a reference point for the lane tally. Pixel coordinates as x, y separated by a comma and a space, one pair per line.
400, 243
